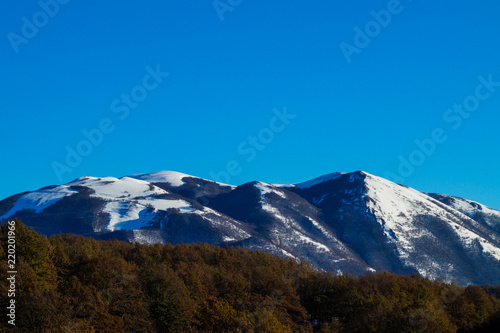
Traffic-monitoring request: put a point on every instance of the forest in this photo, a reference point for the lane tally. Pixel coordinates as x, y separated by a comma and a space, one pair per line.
69, 283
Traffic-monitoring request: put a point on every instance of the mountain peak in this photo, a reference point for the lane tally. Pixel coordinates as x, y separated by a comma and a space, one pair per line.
320, 179
174, 178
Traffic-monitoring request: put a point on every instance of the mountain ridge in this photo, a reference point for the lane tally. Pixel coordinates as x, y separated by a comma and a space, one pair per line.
341, 222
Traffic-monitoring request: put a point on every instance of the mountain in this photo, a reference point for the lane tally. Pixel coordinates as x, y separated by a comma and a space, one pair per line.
342, 222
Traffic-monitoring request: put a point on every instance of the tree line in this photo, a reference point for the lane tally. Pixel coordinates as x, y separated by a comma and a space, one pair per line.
69, 283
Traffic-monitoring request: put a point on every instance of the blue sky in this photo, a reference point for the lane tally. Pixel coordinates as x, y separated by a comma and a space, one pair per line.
354, 85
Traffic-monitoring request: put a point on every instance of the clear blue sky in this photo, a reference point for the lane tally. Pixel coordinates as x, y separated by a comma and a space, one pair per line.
72, 70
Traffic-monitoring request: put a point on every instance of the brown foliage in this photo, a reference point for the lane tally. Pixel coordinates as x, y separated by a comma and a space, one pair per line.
70, 283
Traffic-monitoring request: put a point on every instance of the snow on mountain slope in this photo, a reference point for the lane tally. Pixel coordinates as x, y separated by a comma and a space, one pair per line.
164, 204
127, 216
114, 188
396, 228
175, 179
130, 203
266, 189
393, 206
39, 200
294, 226
172, 177
479, 212
341, 222
465, 206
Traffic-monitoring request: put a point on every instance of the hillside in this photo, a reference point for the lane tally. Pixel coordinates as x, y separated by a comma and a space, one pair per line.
70, 283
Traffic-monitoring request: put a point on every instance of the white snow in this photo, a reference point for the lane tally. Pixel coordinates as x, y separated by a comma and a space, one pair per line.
469, 238
267, 188
263, 188
304, 239
490, 249
130, 200
331, 237
275, 212
220, 220
228, 239
284, 185
114, 188
163, 204
172, 177
469, 207
463, 205
280, 193
39, 200
394, 206
126, 216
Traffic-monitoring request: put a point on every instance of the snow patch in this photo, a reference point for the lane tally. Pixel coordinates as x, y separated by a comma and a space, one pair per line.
470, 208
263, 188
267, 189
111, 188
172, 177
304, 239
127, 216
39, 200
164, 204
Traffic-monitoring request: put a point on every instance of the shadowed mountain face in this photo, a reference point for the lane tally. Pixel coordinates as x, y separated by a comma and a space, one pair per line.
342, 222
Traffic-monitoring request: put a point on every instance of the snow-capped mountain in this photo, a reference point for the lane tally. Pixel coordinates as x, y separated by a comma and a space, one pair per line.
341, 222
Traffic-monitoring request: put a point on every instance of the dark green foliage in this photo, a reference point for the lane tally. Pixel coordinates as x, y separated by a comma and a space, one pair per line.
71, 283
